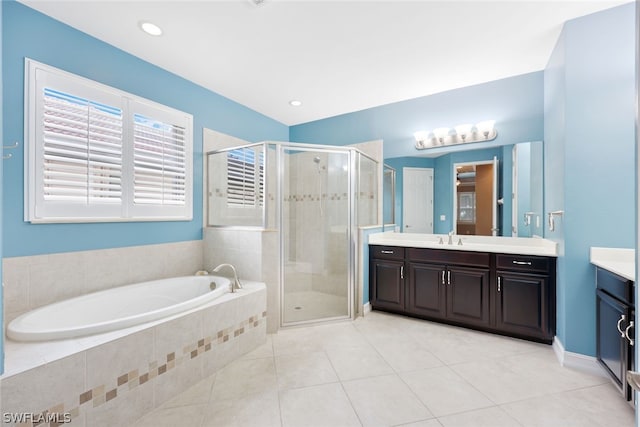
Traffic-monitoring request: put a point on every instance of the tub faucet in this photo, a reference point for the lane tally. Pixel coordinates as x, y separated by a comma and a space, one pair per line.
235, 283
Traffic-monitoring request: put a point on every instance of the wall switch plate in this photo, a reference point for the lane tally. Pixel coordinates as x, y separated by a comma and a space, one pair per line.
443, 217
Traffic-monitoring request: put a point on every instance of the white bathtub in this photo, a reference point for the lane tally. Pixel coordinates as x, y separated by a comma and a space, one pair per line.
116, 308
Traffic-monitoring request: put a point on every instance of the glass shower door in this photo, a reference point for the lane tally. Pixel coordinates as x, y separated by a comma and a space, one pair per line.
316, 248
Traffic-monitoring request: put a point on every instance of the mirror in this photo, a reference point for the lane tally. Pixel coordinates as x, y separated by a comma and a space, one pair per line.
526, 187
527, 173
389, 196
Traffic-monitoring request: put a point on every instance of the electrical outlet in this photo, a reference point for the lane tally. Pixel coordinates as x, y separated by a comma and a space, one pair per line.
443, 217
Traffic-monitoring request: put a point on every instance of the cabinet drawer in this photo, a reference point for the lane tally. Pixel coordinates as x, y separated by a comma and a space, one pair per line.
527, 263
615, 285
443, 256
387, 252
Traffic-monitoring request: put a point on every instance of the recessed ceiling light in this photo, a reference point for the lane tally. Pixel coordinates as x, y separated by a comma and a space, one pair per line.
150, 28
295, 103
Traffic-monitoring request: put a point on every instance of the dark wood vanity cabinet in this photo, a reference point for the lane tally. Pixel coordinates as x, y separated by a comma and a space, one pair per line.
387, 287
615, 312
449, 285
465, 288
426, 295
525, 295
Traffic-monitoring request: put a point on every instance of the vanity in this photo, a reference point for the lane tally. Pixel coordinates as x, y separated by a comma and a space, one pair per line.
504, 285
615, 313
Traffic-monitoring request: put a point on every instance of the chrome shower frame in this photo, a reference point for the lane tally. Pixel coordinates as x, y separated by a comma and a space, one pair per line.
352, 184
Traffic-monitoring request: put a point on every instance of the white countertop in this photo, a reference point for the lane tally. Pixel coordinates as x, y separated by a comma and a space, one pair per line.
504, 245
616, 260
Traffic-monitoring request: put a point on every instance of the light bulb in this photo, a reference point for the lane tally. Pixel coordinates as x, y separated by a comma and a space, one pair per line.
464, 130
441, 134
486, 127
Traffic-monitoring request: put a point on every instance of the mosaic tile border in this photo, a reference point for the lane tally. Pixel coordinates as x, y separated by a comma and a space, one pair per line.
128, 381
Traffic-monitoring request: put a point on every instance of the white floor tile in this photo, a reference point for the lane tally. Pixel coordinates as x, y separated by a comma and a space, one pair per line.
176, 416
253, 410
244, 377
385, 401
600, 406
486, 417
523, 376
321, 406
444, 392
303, 370
358, 362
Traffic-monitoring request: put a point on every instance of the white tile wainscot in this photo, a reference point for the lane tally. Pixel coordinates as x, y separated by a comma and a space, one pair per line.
117, 377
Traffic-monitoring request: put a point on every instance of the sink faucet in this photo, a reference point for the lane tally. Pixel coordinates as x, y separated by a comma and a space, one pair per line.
451, 237
235, 284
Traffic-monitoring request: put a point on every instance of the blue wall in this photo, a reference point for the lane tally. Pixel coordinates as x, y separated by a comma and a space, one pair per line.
34, 35
516, 103
589, 157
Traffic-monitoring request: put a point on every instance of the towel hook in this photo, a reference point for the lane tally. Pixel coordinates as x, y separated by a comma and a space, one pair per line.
8, 147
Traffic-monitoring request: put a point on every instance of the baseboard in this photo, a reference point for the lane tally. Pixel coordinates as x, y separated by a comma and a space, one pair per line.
366, 308
577, 361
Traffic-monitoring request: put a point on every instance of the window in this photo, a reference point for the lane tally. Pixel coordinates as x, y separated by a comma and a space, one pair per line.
467, 207
94, 153
245, 178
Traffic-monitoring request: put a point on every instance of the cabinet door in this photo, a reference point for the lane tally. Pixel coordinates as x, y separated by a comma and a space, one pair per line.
427, 292
387, 284
522, 304
468, 295
612, 348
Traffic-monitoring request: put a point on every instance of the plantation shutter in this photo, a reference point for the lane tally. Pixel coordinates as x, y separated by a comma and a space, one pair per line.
82, 150
245, 178
159, 162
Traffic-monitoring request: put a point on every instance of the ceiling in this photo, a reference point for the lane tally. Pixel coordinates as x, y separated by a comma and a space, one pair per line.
334, 56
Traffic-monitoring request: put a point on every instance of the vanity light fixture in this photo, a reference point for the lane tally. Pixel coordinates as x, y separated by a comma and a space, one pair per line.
150, 28
463, 134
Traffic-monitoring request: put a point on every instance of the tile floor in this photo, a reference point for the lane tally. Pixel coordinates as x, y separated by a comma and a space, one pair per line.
386, 370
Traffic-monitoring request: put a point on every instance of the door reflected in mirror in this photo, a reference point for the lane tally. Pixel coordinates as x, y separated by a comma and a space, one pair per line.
475, 198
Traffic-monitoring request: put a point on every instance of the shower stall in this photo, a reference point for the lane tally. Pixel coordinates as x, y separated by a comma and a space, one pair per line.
314, 197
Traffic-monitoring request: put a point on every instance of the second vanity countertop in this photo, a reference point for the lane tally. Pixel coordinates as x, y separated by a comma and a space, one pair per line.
503, 245
616, 260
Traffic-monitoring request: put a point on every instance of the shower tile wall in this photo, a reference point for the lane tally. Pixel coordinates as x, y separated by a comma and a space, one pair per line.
316, 205
34, 281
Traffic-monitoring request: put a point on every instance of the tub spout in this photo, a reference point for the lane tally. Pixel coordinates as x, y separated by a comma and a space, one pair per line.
235, 283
